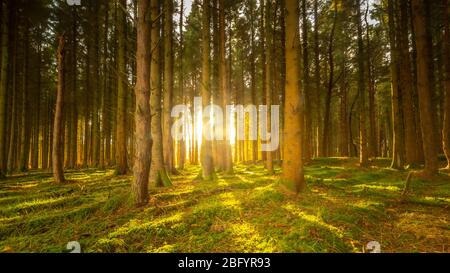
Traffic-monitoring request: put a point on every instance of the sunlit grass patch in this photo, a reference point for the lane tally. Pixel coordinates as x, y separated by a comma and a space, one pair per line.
344, 207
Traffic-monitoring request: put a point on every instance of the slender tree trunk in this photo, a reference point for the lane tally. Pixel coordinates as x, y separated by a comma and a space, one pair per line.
372, 139
206, 148
405, 85
317, 86
4, 85
121, 114
363, 152
158, 172
168, 86
293, 174
24, 138
57, 154
268, 69
223, 79
12, 136
306, 85
326, 121
446, 45
142, 116
427, 115
397, 146
182, 143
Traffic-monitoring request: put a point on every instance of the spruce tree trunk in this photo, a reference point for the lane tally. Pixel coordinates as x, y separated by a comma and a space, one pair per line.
168, 86
182, 143
223, 79
405, 84
206, 147
142, 116
57, 153
427, 115
4, 85
446, 50
397, 117
158, 171
269, 81
293, 174
363, 152
306, 85
121, 114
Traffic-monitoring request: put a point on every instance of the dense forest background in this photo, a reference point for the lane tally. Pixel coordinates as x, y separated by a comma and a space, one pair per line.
92, 86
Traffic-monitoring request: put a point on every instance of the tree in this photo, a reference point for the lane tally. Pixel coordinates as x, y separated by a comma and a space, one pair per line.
363, 153
446, 45
142, 116
158, 171
269, 72
206, 148
168, 86
325, 151
406, 85
293, 174
58, 172
306, 84
427, 115
4, 85
223, 79
397, 117
121, 146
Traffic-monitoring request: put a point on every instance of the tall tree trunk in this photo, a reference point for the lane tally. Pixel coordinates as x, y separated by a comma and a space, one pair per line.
253, 71
446, 50
142, 116
427, 115
306, 85
363, 152
223, 79
158, 171
24, 131
372, 139
325, 151
12, 136
182, 143
168, 86
4, 85
57, 154
317, 87
397, 117
405, 85
121, 114
206, 148
293, 174
269, 10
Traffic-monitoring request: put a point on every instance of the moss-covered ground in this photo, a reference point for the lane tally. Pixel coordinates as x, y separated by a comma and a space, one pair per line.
344, 208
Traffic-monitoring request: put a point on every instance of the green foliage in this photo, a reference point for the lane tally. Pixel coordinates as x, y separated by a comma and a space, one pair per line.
343, 209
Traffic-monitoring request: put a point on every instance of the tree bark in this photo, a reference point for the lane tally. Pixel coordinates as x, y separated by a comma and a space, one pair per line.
206, 148
4, 85
446, 50
158, 171
427, 115
397, 117
363, 152
121, 114
168, 86
293, 174
57, 153
142, 116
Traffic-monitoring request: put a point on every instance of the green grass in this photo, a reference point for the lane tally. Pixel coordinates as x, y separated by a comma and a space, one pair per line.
343, 209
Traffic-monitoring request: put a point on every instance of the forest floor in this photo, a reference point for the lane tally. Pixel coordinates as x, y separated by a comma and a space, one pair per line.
344, 208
